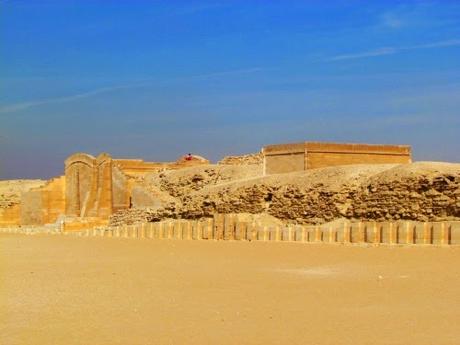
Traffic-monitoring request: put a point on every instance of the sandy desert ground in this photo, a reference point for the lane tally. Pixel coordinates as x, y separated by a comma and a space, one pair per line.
62, 290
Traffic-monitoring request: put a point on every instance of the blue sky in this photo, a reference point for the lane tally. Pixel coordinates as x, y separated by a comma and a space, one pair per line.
157, 79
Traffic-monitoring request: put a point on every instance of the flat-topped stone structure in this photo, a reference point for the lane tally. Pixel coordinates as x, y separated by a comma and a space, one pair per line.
284, 158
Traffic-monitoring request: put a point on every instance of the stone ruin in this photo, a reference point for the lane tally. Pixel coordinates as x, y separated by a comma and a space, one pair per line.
96, 189
285, 158
93, 188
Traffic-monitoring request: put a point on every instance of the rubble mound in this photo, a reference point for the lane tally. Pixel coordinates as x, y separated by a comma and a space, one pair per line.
420, 191
423, 191
179, 183
248, 159
137, 215
313, 196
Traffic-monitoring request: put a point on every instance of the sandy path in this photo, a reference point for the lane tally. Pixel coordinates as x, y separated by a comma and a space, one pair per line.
61, 290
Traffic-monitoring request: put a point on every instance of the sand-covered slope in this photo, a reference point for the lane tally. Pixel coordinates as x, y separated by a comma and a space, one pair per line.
419, 191
182, 182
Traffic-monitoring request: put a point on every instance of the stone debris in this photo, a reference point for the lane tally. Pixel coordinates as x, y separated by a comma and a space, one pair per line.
423, 191
180, 183
248, 159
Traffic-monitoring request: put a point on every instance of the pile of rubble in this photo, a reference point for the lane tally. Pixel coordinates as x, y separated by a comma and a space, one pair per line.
422, 191
248, 159
182, 182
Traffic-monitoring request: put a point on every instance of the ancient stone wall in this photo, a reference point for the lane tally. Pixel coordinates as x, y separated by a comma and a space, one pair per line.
98, 187
10, 199
120, 190
320, 155
45, 204
312, 155
10, 215
89, 185
103, 206
80, 175
92, 188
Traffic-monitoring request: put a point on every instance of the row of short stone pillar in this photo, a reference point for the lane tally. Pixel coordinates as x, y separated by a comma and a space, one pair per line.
228, 229
29, 230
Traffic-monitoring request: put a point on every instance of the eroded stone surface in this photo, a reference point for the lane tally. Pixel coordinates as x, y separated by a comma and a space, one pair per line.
248, 159
128, 191
418, 191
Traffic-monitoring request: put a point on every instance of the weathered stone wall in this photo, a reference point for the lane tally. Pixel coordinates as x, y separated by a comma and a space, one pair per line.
10, 199
284, 163
320, 155
31, 208
312, 155
10, 215
120, 190
89, 185
45, 204
283, 158
80, 178
103, 206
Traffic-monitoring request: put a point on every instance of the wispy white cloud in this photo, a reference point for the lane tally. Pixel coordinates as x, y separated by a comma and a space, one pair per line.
370, 53
231, 72
27, 105
394, 50
448, 43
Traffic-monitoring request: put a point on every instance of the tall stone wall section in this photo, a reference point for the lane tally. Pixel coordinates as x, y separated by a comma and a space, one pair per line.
88, 185
321, 155
43, 205
11, 192
120, 190
286, 158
